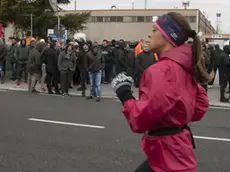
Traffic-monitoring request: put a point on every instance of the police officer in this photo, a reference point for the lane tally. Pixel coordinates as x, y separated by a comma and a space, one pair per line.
224, 72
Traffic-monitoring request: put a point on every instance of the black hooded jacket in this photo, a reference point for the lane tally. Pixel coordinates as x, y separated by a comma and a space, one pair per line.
22, 52
224, 62
121, 59
95, 61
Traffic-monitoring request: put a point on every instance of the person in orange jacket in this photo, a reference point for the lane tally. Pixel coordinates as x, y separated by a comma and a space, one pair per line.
138, 48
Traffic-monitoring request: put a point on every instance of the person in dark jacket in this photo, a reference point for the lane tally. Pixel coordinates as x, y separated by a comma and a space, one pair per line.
114, 55
12, 55
121, 59
22, 56
95, 61
82, 65
50, 59
77, 73
33, 66
67, 66
215, 58
130, 60
3, 54
143, 61
107, 52
224, 72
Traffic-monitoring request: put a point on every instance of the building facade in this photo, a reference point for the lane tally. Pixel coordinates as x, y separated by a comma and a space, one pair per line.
135, 24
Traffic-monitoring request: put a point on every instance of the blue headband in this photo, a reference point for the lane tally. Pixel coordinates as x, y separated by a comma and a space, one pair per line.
171, 30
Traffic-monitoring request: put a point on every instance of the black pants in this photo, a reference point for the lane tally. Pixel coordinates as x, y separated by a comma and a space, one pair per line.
108, 72
83, 80
76, 76
66, 78
144, 167
21, 69
223, 85
52, 80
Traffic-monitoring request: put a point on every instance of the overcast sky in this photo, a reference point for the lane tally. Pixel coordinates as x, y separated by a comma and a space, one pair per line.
211, 7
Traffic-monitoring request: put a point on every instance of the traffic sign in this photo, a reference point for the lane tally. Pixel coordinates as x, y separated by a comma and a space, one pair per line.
62, 30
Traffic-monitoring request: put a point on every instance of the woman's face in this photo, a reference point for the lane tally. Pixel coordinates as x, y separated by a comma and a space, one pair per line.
70, 48
145, 47
23, 42
157, 42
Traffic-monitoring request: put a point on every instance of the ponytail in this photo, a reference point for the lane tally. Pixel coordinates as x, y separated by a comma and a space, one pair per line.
200, 73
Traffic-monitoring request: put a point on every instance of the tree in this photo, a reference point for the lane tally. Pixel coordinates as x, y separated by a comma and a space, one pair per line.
18, 12
75, 22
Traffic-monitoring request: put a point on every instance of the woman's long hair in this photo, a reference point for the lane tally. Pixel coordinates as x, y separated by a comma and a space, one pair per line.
199, 70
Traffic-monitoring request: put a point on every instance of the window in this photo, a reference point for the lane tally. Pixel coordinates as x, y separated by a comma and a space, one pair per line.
116, 19
134, 19
192, 19
148, 19
127, 19
113, 19
92, 19
107, 19
99, 19
119, 19
140, 18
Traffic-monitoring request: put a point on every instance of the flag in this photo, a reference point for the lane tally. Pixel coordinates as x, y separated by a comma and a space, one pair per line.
1, 31
53, 4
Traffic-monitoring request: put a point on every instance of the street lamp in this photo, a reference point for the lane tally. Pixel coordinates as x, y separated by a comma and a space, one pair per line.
218, 16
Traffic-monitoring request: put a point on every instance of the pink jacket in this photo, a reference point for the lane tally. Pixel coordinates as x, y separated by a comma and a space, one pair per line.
168, 97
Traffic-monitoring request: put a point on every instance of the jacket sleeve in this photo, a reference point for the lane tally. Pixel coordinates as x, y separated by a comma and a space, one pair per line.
156, 98
139, 68
3, 53
201, 105
74, 61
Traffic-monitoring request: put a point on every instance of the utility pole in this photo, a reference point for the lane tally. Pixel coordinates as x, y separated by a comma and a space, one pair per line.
75, 5
133, 5
145, 4
58, 17
31, 26
185, 4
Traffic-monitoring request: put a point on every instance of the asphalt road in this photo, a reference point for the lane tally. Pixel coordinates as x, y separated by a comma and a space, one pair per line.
33, 146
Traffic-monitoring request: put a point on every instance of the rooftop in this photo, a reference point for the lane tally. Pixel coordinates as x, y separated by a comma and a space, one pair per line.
107, 10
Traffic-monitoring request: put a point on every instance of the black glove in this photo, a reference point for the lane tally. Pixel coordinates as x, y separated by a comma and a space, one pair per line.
122, 86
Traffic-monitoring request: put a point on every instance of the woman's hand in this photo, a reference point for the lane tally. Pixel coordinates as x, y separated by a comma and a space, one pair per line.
122, 86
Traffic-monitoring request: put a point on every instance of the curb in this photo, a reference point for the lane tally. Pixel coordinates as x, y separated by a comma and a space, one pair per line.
107, 97
45, 93
219, 106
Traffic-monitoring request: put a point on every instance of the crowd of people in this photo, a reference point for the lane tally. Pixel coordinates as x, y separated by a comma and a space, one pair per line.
59, 66
218, 59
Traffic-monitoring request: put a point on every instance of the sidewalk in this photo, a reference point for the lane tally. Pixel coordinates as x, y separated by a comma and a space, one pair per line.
107, 92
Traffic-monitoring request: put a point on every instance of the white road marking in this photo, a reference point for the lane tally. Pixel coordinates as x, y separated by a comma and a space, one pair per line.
3, 90
67, 123
212, 138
